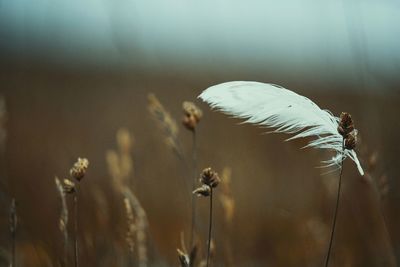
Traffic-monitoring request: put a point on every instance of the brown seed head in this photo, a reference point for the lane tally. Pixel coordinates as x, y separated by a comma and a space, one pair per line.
351, 140
346, 124
68, 186
78, 171
192, 115
183, 258
209, 177
203, 191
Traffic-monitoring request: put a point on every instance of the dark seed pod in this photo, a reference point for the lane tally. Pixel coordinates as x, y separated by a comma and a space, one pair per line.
209, 177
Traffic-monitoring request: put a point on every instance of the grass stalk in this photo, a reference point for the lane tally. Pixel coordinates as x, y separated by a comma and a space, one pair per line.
210, 227
76, 249
194, 203
336, 209
13, 230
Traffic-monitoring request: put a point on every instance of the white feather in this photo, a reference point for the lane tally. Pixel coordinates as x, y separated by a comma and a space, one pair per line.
273, 106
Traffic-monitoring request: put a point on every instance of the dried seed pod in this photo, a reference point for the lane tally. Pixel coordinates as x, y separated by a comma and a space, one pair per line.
209, 177
203, 191
192, 115
346, 124
78, 171
351, 140
68, 186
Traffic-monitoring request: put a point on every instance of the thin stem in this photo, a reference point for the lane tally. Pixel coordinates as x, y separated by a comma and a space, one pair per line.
194, 206
209, 227
13, 230
336, 208
13, 250
76, 227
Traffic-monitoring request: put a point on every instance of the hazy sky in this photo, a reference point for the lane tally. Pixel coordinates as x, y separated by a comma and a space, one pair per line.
360, 38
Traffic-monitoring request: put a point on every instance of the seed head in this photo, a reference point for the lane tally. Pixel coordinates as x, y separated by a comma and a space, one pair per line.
78, 171
192, 115
183, 258
351, 140
346, 124
209, 177
68, 186
203, 191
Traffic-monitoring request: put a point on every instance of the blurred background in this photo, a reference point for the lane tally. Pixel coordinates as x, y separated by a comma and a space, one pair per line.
73, 73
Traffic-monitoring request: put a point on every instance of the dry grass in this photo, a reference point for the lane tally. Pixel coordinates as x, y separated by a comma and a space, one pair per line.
120, 166
250, 228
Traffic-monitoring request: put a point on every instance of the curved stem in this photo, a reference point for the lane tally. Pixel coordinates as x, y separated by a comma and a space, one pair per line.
336, 209
209, 228
194, 158
76, 227
13, 251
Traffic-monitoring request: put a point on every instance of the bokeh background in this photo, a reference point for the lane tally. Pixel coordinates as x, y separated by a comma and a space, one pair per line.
74, 72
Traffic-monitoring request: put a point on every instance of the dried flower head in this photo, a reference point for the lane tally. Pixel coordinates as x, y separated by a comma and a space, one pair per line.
203, 191
183, 258
192, 115
78, 171
130, 234
351, 140
166, 123
69, 186
209, 177
346, 124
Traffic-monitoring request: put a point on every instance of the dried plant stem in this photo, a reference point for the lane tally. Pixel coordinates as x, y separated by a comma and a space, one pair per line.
13, 230
63, 221
141, 224
13, 251
336, 209
76, 251
194, 206
209, 228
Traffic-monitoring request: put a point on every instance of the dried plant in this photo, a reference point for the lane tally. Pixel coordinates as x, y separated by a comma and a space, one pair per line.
63, 221
166, 123
349, 139
13, 220
130, 219
273, 106
191, 118
209, 180
141, 226
192, 115
120, 167
77, 172
186, 259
